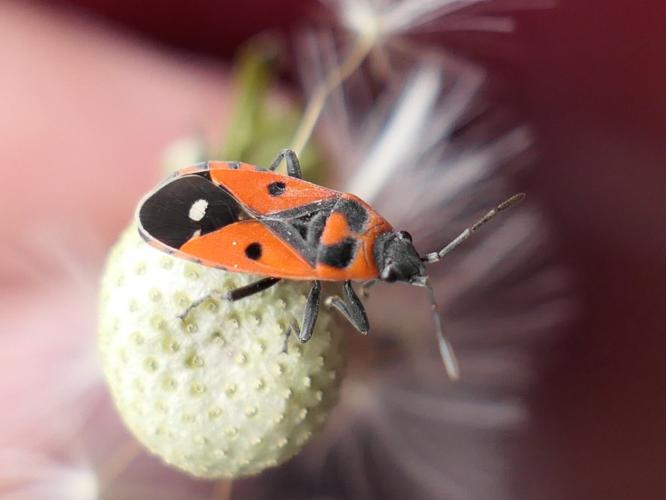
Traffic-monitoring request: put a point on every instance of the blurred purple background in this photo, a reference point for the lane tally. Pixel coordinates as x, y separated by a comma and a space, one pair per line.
589, 76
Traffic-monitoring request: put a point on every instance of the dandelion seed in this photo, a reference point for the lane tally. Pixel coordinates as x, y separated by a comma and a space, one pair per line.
394, 133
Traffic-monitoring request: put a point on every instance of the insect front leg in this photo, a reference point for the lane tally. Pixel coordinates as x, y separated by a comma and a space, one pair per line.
293, 165
233, 295
351, 308
197, 303
311, 313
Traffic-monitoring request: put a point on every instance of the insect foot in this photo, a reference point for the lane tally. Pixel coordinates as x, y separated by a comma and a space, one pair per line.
214, 392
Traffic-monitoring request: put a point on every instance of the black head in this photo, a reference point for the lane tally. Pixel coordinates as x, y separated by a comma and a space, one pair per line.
398, 260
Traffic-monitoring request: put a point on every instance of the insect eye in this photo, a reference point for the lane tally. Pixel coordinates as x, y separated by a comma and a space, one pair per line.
405, 235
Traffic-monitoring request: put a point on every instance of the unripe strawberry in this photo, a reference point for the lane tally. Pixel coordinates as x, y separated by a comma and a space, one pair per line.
214, 393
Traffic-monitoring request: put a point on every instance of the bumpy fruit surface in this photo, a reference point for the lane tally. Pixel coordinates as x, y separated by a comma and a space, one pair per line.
213, 394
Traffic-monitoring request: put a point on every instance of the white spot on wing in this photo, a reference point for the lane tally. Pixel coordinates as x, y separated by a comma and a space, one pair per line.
198, 210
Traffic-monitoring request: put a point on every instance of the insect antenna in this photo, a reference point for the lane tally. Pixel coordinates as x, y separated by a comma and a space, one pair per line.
445, 347
436, 256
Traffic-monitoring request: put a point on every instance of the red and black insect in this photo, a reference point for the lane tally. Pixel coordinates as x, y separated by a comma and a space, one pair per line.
243, 218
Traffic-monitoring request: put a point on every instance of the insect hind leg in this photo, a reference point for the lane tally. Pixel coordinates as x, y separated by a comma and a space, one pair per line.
311, 313
293, 165
351, 308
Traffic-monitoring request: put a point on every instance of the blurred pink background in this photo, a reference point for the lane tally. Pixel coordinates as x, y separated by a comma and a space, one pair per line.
93, 91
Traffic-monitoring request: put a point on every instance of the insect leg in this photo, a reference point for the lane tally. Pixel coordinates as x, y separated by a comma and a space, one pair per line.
366, 286
251, 289
293, 165
435, 256
311, 312
197, 303
233, 295
351, 308
293, 327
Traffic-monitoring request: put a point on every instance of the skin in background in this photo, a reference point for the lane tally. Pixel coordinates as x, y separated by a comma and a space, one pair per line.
62, 143
594, 97
88, 114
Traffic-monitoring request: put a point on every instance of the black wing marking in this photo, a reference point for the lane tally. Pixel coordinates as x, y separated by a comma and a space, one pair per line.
301, 227
339, 255
289, 234
165, 215
353, 212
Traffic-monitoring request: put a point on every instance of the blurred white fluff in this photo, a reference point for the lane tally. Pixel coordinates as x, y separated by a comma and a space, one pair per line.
402, 430
26, 475
52, 357
391, 18
417, 140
